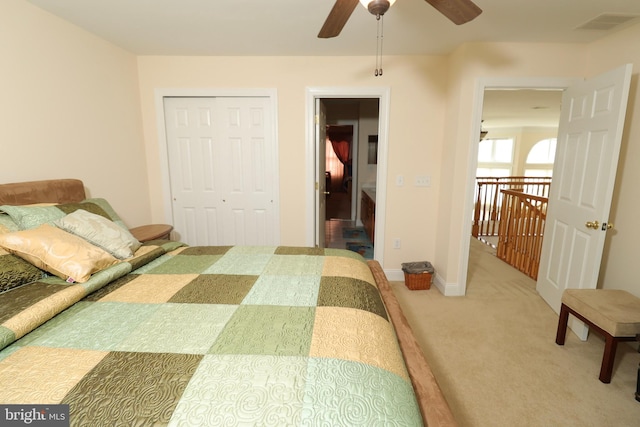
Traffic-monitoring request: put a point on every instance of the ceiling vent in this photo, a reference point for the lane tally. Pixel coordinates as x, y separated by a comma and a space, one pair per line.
606, 22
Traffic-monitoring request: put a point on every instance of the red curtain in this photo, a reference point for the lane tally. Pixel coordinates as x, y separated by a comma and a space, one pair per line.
342, 150
335, 168
340, 137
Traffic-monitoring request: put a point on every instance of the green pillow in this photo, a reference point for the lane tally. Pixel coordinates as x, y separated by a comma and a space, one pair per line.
106, 206
7, 225
29, 217
101, 232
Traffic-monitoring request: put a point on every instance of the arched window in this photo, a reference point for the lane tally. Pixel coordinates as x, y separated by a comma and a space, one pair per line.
540, 158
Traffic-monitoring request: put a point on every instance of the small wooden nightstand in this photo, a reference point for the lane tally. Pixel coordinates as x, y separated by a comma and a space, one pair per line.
144, 233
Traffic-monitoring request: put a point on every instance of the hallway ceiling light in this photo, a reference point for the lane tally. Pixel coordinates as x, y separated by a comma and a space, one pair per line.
483, 133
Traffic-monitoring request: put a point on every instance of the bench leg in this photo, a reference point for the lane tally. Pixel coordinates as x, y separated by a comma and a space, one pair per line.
638, 380
610, 346
563, 320
638, 385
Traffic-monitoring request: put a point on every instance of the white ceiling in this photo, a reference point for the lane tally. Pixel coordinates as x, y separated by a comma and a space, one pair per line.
521, 108
290, 27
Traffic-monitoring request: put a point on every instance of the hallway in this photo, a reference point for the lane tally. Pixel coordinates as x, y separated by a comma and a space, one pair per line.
344, 234
341, 232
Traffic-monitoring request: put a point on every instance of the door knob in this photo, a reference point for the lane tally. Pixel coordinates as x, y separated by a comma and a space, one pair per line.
593, 225
327, 192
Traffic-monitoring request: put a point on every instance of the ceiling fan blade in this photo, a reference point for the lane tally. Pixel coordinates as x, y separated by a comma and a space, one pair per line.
458, 11
337, 18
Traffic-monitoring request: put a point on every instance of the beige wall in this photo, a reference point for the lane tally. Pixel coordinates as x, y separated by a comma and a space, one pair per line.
70, 109
415, 130
619, 269
476, 61
468, 65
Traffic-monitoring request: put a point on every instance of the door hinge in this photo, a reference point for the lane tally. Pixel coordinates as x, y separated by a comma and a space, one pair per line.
317, 186
317, 119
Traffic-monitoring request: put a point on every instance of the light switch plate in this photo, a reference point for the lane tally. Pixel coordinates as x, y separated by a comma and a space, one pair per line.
423, 181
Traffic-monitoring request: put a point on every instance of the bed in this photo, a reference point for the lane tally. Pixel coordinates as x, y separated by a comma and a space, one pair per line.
161, 333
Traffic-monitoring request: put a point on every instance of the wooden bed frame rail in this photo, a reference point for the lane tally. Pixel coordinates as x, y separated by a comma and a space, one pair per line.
434, 407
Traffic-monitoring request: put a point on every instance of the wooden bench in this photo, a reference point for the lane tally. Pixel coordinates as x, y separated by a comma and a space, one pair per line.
613, 313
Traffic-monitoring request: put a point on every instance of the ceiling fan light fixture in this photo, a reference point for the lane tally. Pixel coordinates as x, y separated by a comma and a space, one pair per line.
377, 7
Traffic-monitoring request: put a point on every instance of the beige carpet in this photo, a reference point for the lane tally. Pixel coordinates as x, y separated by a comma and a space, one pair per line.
494, 355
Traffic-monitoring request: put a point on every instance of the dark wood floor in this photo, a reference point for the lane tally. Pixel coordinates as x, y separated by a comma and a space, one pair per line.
338, 206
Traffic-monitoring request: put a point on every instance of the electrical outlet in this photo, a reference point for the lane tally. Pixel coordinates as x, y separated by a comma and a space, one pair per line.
423, 181
396, 244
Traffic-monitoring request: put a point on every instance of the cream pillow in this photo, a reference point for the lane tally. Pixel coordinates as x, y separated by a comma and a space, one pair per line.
58, 252
101, 232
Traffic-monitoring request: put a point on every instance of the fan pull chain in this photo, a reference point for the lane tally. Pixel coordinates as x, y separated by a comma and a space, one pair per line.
380, 37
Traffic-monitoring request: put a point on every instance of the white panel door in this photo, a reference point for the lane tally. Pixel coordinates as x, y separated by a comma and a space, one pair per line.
193, 151
589, 137
222, 168
321, 167
245, 143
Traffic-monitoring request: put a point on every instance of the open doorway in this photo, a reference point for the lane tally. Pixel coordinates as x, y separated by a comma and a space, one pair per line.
526, 113
601, 96
516, 152
334, 100
350, 173
341, 152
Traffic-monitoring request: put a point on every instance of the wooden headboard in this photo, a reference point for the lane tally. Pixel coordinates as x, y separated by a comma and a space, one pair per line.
47, 191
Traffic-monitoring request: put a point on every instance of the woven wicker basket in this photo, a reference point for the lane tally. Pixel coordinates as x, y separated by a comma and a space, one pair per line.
418, 281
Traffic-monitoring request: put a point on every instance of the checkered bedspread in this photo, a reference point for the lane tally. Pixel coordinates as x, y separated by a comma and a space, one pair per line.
210, 336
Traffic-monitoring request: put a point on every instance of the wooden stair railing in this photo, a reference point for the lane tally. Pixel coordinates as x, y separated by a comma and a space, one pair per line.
488, 199
521, 230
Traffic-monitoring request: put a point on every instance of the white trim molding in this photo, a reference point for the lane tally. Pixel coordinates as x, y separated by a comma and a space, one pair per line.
482, 84
383, 95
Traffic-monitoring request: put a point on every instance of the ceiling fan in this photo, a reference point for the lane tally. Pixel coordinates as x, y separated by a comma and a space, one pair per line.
458, 11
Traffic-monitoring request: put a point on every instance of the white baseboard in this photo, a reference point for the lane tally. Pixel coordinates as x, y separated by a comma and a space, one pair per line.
394, 275
446, 289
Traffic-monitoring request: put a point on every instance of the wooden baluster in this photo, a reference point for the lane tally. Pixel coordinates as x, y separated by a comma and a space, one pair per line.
521, 229
486, 203
529, 241
503, 230
513, 232
476, 213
